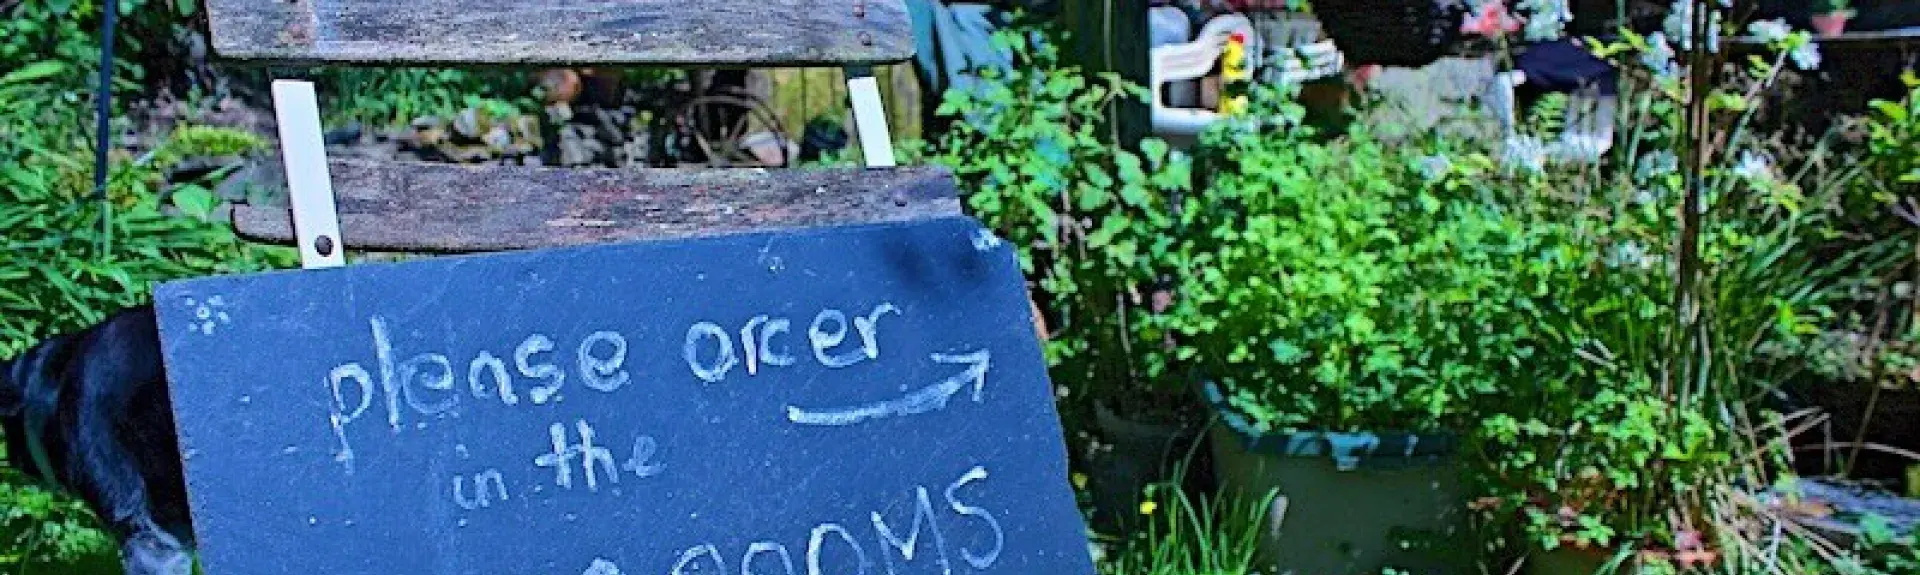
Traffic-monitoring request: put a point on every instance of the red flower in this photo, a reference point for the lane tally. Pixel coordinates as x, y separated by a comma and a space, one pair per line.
1491, 20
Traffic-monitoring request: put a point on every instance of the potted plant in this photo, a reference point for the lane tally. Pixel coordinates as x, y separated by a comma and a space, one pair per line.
1343, 307
1643, 442
1090, 218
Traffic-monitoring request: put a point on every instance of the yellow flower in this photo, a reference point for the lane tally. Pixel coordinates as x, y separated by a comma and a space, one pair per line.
1080, 480
1148, 507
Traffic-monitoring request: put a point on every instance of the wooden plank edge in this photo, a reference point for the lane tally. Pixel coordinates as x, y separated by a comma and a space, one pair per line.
271, 57
915, 193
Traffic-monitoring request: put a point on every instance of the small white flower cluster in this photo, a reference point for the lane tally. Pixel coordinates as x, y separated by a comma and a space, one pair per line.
1659, 57
1548, 21
1754, 167
1656, 164
1631, 254
1770, 31
1525, 152
1433, 168
1679, 25
1805, 56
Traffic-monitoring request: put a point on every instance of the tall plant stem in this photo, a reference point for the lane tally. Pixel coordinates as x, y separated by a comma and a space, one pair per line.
1686, 341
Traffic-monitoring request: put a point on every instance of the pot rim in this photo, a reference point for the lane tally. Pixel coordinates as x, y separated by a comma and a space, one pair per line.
1347, 449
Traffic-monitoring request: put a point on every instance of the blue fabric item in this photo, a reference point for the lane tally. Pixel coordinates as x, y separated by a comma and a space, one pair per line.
1562, 66
950, 40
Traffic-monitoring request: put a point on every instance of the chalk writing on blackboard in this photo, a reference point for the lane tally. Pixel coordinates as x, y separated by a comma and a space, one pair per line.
930, 398
486, 486
711, 353
948, 530
423, 387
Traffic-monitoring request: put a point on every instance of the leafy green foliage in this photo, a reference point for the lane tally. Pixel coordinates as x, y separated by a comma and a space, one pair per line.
1644, 410
70, 258
1333, 286
1090, 219
390, 97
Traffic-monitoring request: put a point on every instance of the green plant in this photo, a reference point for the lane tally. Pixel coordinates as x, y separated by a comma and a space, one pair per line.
1089, 218
1705, 271
391, 97
1882, 552
71, 257
1350, 285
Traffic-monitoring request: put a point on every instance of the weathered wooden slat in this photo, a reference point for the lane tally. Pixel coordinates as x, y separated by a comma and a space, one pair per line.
552, 32
455, 208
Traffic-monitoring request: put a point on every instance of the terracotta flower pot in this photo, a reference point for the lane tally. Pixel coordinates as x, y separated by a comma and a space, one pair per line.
1832, 24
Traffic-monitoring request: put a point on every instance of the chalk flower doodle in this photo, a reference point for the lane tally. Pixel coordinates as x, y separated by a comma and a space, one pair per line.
208, 314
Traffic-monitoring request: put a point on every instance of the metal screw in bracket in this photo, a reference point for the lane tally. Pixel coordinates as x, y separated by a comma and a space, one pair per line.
323, 245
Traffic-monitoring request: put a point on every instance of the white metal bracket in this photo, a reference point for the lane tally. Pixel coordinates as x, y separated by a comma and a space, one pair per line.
316, 222
870, 117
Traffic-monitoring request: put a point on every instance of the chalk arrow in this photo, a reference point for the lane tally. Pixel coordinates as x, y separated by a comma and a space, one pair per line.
930, 398
602, 567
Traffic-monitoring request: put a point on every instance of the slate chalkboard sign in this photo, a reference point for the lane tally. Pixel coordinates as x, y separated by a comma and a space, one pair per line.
863, 399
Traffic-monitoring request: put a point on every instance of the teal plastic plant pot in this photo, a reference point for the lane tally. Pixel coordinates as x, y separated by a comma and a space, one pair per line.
1347, 503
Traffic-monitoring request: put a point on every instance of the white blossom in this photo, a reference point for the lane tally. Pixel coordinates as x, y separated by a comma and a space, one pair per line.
1806, 56
1770, 31
1526, 152
1679, 25
1433, 168
1659, 56
1549, 19
1753, 167
1655, 164
1630, 254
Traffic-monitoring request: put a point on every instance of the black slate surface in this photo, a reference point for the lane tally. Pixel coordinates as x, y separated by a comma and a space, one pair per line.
331, 421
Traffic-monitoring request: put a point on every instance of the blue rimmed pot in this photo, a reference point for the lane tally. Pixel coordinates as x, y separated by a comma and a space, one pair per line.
1346, 502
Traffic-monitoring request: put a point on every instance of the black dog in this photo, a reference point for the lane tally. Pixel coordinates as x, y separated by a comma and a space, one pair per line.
89, 413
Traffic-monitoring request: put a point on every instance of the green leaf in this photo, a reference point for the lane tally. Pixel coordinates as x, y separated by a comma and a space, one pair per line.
1894, 111
36, 71
1285, 352
1155, 149
1109, 227
1129, 165
1092, 198
196, 201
